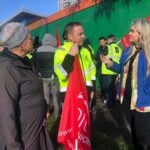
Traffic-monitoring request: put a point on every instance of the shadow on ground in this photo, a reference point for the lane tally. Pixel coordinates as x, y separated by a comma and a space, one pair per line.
109, 131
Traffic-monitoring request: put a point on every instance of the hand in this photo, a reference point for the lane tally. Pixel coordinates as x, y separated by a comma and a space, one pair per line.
117, 80
92, 95
106, 60
47, 112
47, 115
74, 49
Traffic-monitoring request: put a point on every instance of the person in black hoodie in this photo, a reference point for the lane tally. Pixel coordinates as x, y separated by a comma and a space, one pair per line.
45, 67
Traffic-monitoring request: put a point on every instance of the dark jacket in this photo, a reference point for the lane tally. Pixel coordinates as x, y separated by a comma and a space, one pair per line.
45, 56
102, 50
22, 105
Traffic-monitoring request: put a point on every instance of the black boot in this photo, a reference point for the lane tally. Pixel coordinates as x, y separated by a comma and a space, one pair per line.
142, 147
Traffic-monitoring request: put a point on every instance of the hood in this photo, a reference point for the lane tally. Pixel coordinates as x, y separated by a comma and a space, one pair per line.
49, 40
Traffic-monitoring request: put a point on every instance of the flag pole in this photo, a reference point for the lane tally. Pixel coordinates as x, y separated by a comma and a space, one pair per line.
76, 140
118, 42
76, 144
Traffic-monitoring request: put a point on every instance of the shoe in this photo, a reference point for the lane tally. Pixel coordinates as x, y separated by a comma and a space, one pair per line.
105, 101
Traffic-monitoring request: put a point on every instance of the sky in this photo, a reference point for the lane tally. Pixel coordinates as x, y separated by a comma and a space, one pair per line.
9, 8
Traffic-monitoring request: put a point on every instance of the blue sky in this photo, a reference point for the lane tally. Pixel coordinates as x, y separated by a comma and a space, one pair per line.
9, 8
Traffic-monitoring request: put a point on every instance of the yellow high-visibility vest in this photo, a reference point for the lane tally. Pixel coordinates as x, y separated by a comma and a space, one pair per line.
114, 53
29, 55
86, 62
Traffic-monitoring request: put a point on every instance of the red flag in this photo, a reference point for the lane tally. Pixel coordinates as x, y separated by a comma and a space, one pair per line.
74, 129
58, 38
125, 41
148, 18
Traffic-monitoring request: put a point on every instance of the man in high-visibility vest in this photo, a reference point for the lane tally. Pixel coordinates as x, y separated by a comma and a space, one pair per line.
108, 76
103, 48
65, 55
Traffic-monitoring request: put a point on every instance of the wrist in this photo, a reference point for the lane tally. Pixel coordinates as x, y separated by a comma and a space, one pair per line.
110, 64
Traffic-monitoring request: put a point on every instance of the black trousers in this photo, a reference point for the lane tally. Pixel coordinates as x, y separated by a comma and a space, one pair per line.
109, 87
140, 128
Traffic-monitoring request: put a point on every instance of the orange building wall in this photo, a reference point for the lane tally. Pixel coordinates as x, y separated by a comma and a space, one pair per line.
63, 13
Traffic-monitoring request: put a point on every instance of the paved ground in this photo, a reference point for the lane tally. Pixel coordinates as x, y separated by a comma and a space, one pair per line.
107, 126
109, 130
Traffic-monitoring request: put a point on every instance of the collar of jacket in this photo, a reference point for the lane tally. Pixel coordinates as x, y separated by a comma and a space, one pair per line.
68, 43
113, 42
18, 61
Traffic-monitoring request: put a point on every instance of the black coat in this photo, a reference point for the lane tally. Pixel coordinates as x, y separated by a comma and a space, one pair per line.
22, 106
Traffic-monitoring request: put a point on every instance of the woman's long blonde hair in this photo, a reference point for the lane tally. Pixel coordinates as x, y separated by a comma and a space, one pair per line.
143, 27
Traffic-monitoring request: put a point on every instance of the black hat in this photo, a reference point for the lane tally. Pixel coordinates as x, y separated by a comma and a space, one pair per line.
112, 36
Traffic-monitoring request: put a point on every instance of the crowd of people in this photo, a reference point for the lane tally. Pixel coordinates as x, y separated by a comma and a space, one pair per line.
30, 90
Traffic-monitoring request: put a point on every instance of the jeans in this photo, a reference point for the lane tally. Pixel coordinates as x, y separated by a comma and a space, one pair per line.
109, 87
51, 87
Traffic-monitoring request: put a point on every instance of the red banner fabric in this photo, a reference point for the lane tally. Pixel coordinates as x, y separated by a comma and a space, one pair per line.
74, 129
125, 41
148, 18
58, 38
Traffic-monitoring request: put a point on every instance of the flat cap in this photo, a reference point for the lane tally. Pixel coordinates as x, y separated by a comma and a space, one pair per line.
13, 34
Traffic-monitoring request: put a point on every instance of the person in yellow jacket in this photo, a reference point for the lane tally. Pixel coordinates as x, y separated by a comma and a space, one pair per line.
65, 55
87, 45
109, 77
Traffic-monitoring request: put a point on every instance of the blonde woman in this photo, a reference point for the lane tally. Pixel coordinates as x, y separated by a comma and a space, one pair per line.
134, 68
